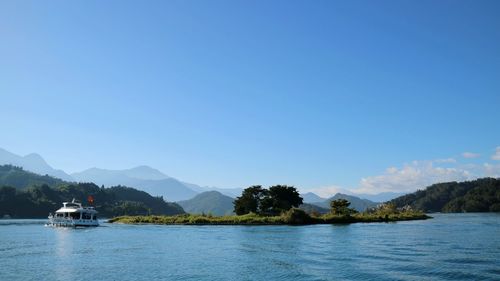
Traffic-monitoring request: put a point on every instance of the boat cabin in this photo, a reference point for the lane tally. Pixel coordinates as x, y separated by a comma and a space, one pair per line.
74, 214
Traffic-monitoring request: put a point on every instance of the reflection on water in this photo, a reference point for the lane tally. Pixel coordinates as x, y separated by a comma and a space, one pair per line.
449, 247
63, 263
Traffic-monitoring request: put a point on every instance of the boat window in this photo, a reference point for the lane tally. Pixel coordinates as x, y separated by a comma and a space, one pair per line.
75, 216
86, 216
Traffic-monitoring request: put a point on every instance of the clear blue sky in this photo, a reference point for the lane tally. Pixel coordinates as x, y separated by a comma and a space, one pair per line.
233, 93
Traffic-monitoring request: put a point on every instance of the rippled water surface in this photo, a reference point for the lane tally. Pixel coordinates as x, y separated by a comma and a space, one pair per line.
448, 247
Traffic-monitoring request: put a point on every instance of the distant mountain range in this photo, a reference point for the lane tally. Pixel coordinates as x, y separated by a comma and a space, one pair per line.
380, 197
144, 178
313, 202
32, 162
357, 203
310, 197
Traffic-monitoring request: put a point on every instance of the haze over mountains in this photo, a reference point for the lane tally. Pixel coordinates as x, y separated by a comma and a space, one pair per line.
32, 162
310, 197
379, 197
144, 178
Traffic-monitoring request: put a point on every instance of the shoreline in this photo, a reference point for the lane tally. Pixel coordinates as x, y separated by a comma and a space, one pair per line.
252, 219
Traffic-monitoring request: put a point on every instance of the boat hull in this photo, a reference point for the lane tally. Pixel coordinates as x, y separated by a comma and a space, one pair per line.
72, 223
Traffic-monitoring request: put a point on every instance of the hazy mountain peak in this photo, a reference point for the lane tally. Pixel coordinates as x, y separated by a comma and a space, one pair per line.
4, 152
32, 162
310, 197
146, 173
35, 156
90, 171
7, 157
381, 197
140, 172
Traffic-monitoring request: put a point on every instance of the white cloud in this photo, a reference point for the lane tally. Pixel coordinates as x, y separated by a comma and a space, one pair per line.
446, 160
419, 175
410, 177
496, 155
491, 170
470, 155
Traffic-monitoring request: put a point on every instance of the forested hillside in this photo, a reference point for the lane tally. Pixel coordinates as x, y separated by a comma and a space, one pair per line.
21, 179
27, 195
481, 195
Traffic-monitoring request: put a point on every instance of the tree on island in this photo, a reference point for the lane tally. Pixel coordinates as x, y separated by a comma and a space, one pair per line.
341, 207
277, 199
250, 200
280, 198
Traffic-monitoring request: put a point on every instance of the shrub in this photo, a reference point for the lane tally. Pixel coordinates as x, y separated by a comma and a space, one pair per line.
296, 216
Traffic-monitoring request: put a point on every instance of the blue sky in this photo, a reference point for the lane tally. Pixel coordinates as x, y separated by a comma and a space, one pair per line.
232, 93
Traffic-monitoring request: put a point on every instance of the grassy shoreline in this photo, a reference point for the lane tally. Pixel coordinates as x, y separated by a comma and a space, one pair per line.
291, 217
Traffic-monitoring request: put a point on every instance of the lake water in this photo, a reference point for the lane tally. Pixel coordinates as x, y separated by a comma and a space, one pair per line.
448, 247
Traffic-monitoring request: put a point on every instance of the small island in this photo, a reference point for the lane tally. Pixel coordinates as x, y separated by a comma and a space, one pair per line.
278, 206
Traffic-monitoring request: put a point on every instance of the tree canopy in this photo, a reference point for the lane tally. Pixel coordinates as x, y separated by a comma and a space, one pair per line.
250, 200
341, 207
272, 201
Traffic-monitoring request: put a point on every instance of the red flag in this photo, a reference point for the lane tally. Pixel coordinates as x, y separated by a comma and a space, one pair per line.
90, 199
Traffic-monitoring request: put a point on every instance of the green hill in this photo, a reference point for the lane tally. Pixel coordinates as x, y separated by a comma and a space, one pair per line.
481, 195
21, 179
27, 195
209, 202
357, 203
311, 208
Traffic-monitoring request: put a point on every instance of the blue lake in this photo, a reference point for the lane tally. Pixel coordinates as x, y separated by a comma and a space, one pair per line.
448, 247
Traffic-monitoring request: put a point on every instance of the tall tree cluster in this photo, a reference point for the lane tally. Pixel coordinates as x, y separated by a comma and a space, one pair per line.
272, 201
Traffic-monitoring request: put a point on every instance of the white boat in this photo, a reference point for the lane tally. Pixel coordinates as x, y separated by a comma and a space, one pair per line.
73, 214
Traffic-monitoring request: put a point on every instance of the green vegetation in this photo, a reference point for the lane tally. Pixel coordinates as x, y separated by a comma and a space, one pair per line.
293, 216
22, 180
481, 195
21, 200
341, 207
272, 201
250, 200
